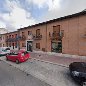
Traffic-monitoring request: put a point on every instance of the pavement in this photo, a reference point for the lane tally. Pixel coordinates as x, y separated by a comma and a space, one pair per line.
10, 76
57, 58
51, 68
50, 73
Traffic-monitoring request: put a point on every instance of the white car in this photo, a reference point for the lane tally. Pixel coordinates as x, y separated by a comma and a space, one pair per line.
4, 51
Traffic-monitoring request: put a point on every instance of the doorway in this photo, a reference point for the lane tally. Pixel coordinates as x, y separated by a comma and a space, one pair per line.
13, 45
56, 47
29, 46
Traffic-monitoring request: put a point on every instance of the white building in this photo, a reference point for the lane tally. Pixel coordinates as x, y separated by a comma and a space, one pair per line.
2, 37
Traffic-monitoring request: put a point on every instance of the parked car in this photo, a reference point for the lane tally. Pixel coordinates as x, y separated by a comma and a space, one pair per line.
4, 51
18, 57
78, 72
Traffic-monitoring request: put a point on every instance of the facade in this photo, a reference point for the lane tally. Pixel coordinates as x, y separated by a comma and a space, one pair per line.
3, 30
35, 37
12, 40
2, 40
63, 35
2, 37
73, 31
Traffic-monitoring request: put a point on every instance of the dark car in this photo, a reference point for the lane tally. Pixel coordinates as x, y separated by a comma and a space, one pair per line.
78, 72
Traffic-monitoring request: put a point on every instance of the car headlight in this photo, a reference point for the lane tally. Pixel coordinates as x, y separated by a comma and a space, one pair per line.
75, 73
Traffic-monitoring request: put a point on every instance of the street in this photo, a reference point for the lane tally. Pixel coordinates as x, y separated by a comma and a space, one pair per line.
52, 74
10, 76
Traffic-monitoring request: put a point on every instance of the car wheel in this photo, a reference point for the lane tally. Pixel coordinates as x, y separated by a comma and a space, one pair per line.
83, 84
17, 61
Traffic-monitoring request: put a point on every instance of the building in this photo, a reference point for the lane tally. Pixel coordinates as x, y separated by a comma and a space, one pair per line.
63, 35
66, 34
35, 37
12, 40
3, 30
2, 37
2, 40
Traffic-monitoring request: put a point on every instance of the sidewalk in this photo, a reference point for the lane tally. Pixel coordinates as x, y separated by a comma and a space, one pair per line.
56, 58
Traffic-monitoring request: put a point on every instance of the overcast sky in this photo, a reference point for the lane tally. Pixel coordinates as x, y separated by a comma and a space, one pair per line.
15, 14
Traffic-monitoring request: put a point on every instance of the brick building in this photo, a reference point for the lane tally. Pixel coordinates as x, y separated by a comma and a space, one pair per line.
12, 40
2, 40
64, 35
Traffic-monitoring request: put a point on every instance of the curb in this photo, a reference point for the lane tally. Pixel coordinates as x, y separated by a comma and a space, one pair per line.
62, 55
50, 62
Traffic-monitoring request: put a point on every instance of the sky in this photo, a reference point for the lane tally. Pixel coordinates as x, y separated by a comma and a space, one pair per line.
15, 14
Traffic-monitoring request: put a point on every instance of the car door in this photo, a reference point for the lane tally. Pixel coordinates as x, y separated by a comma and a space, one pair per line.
11, 57
15, 57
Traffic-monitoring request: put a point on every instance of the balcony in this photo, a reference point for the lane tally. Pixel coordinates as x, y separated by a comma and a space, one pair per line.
22, 38
37, 37
12, 39
55, 36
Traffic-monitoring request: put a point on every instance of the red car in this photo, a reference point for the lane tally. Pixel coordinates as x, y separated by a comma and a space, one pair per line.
18, 57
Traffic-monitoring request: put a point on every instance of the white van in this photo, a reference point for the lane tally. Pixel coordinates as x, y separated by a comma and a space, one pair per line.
4, 51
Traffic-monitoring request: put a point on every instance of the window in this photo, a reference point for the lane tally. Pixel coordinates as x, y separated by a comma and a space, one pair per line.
9, 44
15, 35
38, 45
16, 45
0, 38
29, 32
12, 36
22, 33
56, 29
23, 44
9, 36
37, 32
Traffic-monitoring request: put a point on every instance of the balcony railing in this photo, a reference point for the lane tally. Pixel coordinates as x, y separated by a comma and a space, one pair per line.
10, 40
23, 38
54, 36
16, 39
37, 37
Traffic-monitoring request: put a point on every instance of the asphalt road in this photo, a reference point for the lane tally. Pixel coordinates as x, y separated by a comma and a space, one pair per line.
10, 76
